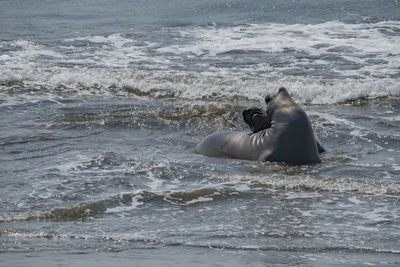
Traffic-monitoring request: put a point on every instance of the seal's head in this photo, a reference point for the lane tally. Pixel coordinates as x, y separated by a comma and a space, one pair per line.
257, 119
281, 108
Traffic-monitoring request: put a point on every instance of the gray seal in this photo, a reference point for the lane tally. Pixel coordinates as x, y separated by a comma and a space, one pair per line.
281, 133
257, 119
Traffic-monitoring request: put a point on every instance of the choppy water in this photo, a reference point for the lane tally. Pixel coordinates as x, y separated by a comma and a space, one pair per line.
102, 104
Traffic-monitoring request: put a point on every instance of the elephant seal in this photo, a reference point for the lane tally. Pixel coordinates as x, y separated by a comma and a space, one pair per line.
258, 119
289, 137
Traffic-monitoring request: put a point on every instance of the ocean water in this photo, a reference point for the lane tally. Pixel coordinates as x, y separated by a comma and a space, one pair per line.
103, 102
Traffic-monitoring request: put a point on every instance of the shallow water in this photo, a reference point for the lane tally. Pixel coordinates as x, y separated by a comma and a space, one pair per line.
102, 105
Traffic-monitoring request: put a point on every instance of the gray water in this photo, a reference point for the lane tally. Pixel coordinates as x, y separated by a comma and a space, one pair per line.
103, 102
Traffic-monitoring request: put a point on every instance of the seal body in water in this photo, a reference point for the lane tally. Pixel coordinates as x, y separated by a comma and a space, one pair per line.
287, 136
258, 119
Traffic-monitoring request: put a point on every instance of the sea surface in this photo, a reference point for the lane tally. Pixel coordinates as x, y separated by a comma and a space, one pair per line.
103, 102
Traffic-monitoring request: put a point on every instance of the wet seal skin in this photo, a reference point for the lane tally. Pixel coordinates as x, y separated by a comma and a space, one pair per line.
257, 119
282, 133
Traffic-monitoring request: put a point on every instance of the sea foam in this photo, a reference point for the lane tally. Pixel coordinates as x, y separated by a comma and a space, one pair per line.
324, 63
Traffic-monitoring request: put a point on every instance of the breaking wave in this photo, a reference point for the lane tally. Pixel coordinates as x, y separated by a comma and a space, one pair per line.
123, 201
252, 186
326, 63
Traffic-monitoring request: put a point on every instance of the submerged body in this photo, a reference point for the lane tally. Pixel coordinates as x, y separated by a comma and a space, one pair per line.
289, 138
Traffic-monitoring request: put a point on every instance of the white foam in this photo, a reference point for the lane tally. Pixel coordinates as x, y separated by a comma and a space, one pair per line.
115, 51
118, 61
359, 40
198, 200
135, 202
315, 184
155, 182
188, 86
24, 53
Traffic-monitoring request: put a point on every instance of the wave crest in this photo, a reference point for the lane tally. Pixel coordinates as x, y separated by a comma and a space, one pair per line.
123, 201
326, 63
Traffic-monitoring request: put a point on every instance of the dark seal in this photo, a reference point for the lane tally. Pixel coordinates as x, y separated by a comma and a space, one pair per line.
282, 132
258, 120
